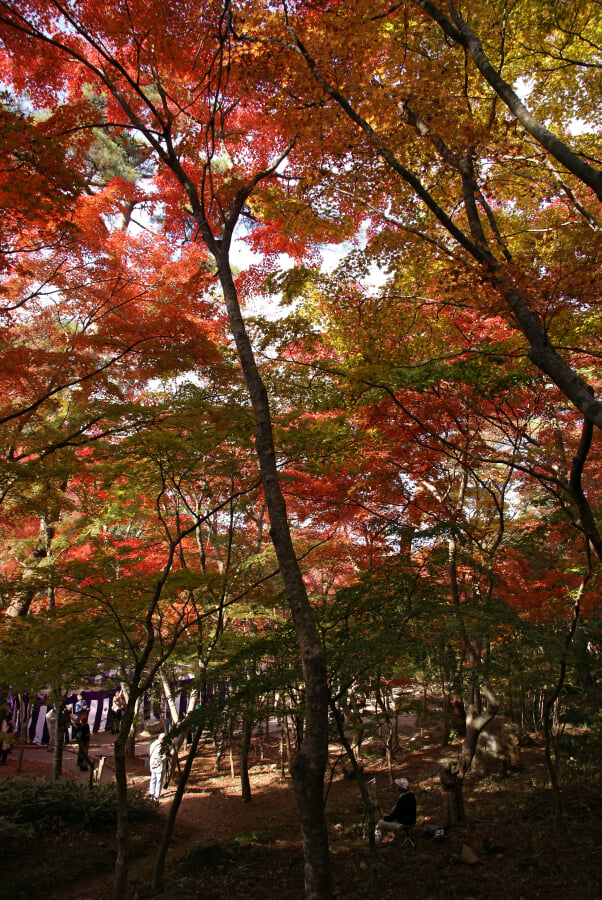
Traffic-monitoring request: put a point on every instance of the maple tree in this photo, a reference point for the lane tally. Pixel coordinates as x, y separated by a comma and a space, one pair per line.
215, 179
463, 444
458, 141
469, 434
143, 574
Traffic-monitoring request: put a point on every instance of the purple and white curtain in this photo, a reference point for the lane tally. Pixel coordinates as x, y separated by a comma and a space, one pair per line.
99, 714
99, 703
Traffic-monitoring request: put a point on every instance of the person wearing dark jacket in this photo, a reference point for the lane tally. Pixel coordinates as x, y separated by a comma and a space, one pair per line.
6, 734
82, 736
404, 814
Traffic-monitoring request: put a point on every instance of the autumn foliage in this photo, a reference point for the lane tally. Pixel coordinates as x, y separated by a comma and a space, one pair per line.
340, 254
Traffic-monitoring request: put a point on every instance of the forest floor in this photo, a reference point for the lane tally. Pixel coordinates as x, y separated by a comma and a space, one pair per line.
224, 849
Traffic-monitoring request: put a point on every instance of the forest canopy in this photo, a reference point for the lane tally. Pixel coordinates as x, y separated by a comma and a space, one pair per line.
301, 350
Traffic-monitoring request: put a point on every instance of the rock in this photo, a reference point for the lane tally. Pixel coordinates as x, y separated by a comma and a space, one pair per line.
151, 729
447, 772
468, 857
498, 749
437, 732
204, 854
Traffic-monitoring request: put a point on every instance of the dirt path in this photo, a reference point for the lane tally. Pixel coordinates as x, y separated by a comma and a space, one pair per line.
259, 855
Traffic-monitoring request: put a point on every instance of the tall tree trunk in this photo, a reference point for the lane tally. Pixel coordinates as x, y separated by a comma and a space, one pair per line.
121, 746
370, 810
452, 775
232, 766
173, 811
130, 744
174, 716
310, 762
22, 733
551, 765
59, 740
245, 744
289, 743
550, 701
282, 750
123, 825
169, 697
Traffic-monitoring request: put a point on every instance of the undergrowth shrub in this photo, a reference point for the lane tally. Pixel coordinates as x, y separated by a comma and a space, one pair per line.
14, 836
585, 747
39, 803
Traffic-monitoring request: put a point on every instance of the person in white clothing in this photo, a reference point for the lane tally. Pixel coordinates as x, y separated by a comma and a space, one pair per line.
51, 717
158, 757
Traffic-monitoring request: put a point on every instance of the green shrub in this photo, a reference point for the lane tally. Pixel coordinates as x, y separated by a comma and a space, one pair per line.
262, 836
39, 803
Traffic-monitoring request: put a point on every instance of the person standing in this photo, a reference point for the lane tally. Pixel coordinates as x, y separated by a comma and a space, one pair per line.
67, 722
80, 707
117, 707
82, 736
6, 734
51, 721
158, 757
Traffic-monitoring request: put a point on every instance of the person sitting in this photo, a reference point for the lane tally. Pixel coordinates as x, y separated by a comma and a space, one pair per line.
403, 816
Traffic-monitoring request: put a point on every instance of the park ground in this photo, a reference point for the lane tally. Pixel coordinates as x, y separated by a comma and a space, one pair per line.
224, 849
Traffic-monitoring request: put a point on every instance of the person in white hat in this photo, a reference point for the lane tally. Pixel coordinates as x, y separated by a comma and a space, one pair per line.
159, 754
404, 814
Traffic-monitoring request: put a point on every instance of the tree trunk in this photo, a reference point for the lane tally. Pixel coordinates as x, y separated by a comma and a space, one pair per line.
282, 751
452, 775
310, 763
173, 812
130, 743
245, 744
550, 702
218, 757
389, 749
169, 697
369, 808
123, 827
57, 756
20, 602
551, 764
174, 716
22, 734
454, 794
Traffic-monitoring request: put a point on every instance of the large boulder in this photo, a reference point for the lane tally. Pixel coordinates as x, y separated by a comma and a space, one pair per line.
204, 854
498, 749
